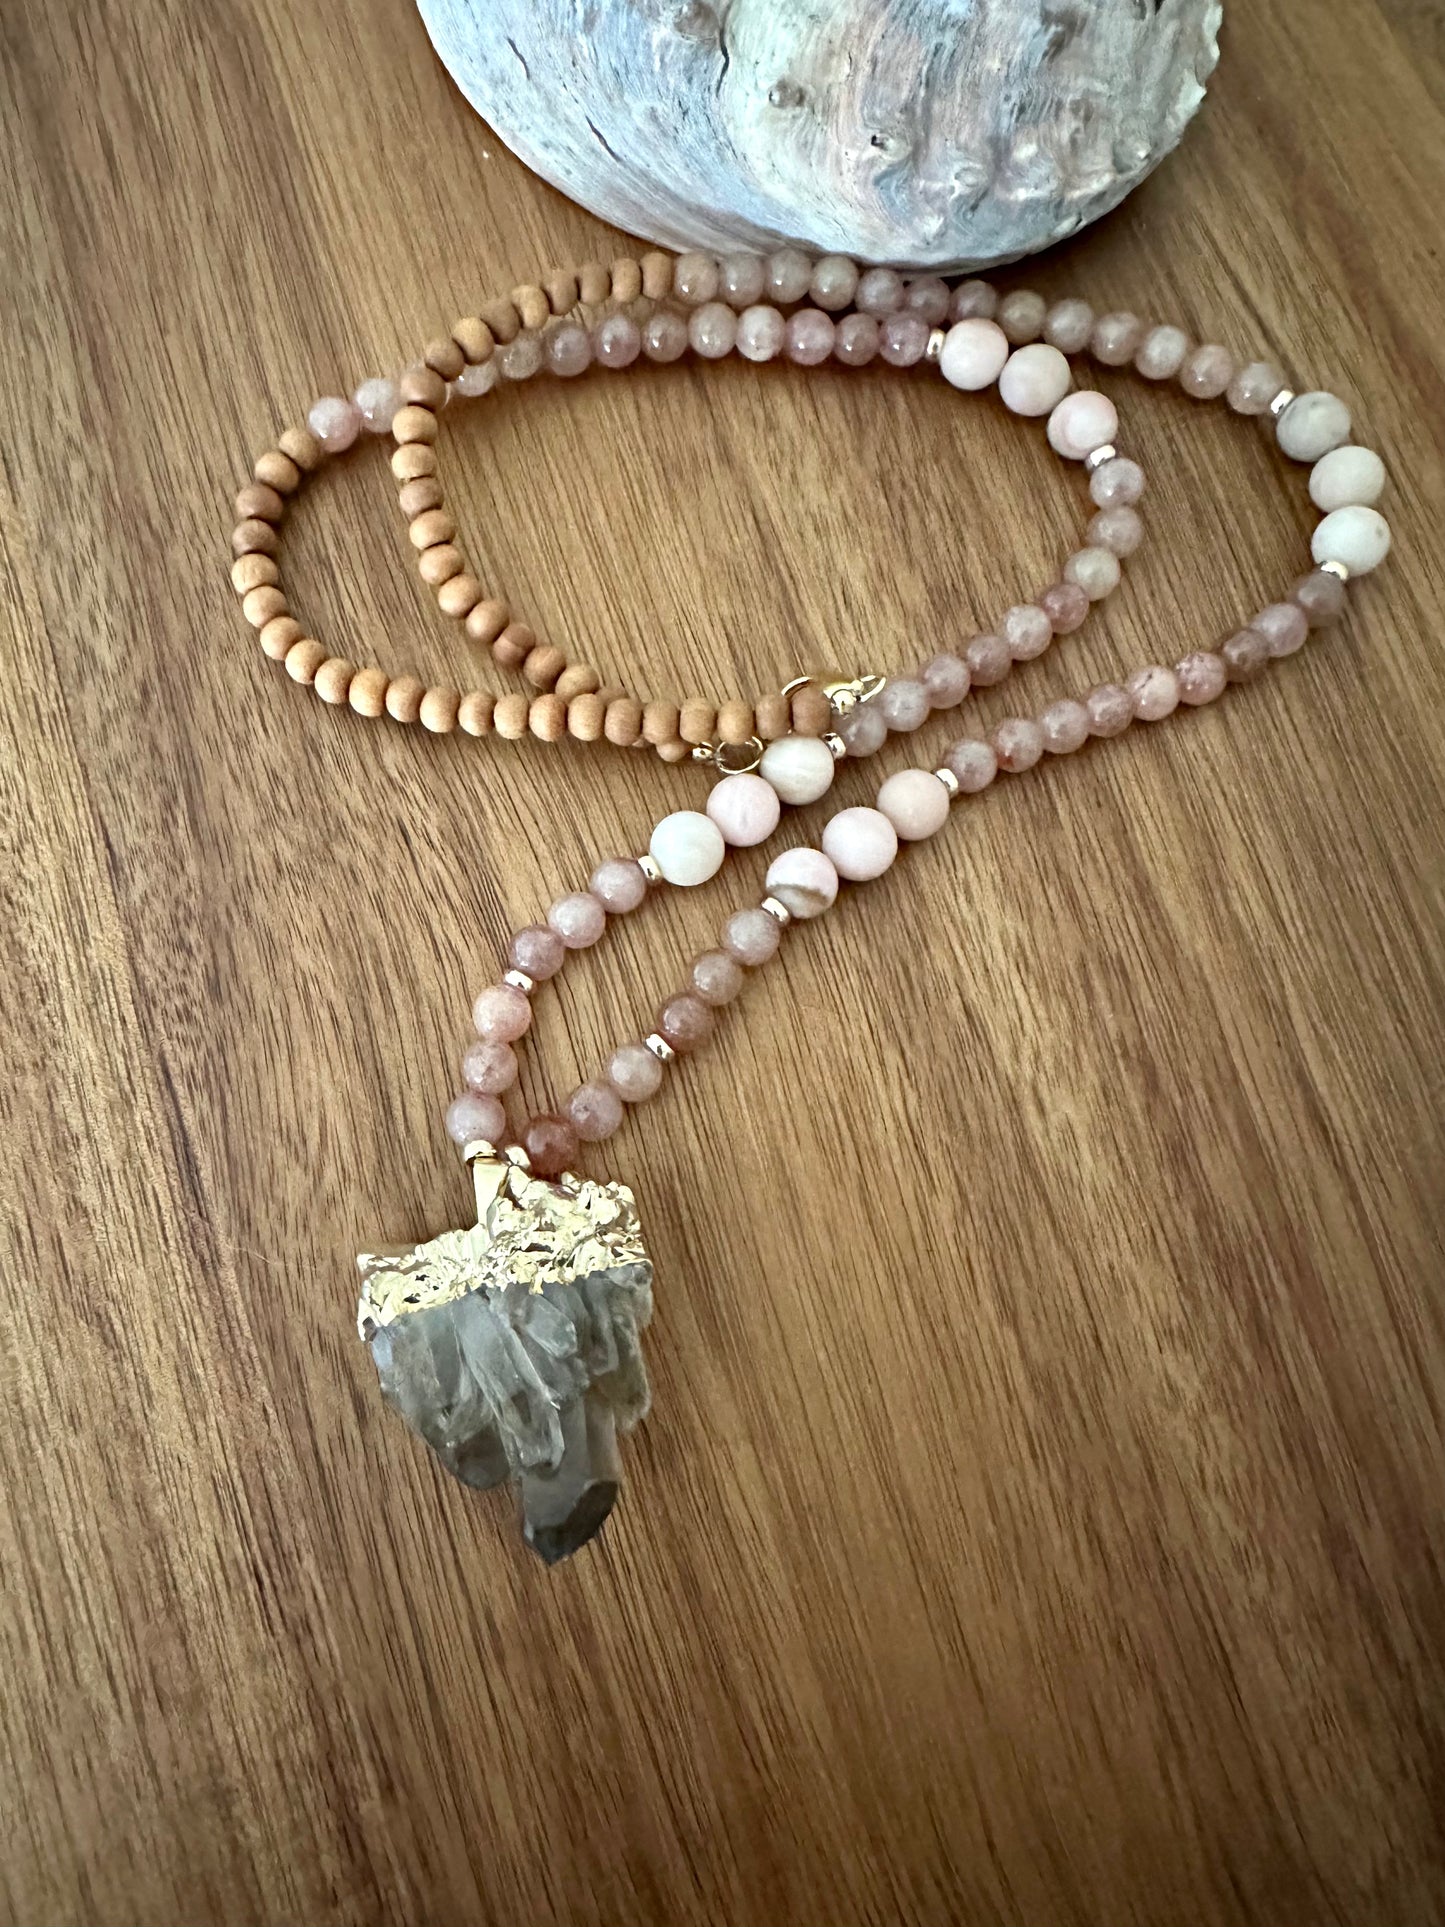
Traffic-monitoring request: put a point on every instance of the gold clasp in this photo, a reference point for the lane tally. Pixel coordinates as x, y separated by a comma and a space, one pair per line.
731, 759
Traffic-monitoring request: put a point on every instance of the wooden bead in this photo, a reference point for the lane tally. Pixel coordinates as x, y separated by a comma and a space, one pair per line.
622, 723
459, 595
403, 698
561, 290
735, 722
487, 621
547, 718
812, 714
426, 530
259, 501
302, 448
512, 648
626, 279
544, 665
439, 708
509, 716
674, 752
414, 460
503, 320
254, 571
423, 387
594, 283
440, 564
333, 680
656, 275
278, 635
697, 722
367, 694
474, 338
419, 496
303, 659
577, 679
261, 604
414, 424
584, 717
278, 471
659, 722
532, 306
474, 713
773, 716
444, 358
254, 538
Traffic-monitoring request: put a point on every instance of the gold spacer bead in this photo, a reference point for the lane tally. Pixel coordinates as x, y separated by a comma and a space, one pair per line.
647, 863
779, 912
519, 980
660, 1048
1339, 570
934, 351
948, 780
1281, 401
1097, 457
837, 748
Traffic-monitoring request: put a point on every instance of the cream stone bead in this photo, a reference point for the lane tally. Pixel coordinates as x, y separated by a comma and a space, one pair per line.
804, 882
1358, 537
1035, 379
687, 847
974, 353
1082, 422
1312, 425
1347, 477
915, 803
800, 768
861, 844
746, 809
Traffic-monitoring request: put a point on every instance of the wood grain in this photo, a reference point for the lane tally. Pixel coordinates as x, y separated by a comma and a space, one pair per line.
1039, 1520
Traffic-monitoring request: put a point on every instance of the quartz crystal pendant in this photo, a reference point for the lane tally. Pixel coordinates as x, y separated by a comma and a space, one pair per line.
513, 1348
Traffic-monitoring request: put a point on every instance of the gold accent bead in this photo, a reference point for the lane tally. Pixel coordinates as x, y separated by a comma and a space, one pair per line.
660, 1048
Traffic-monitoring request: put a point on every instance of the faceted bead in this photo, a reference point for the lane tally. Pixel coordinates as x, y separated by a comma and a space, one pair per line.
1201, 677
685, 1022
989, 660
688, 848
1321, 596
1065, 726
860, 843
594, 1111
1120, 531
551, 1144
717, 977
1018, 743
1110, 708
502, 1013
800, 768
1155, 691
903, 704
1246, 655
973, 763
472, 1119
915, 803
946, 680
1066, 605
1027, 631
1283, 626
746, 809
804, 881
489, 1067
751, 936
579, 920
618, 885
1095, 571
634, 1073
538, 951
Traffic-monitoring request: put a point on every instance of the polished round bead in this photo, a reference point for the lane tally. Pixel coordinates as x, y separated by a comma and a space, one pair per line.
789, 272
761, 333
1068, 326
1201, 677
502, 1014
974, 764
475, 1119
695, 279
946, 679
579, 920
1321, 596
1116, 338
1066, 605
834, 282
1082, 422
1283, 626
687, 847
1120, 531
489, 1067
974, 354
1035, 380
594, 1111
568, 348
551, 1145
1018, 742
522, 357
618, 885
1358, 537
480, 377
712, 330
902, 703
1160, 355
928, 295
664, 336
1096, 572
538, 951
855, 340
880, 292
973, 300
685, 1022
1027, 631
915, 803
1065, 727
989, 660
1347, 477
751, 937
1110, 709
1312, 425
1021, 316
1118, 484
863, 730
1155, 693
742, 279
903, 339
634, 1073
1254, 388
1245, 655
377, 401
746, 809
1207, 372
808, 337
804, 881
799, 768
616, 341
717, 978
335, 423
860, 843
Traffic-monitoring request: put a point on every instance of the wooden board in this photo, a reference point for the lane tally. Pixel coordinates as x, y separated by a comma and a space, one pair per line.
1039, 1518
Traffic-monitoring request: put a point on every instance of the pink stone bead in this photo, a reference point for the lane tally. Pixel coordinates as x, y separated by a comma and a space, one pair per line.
502, 1014
335, 423
746, 809
1096, 571
1027, 631
664, 336
686, 1022
761, 333
1066, 605
616, 341
1284, 627
618, 885
1116, 338
741, 279
1110, 709
915, 803
578, 920
712, 330
1065, 727
973, 300
904, 339
880, 292
594, 1111
1255, 387
477, 378
1161, 353
989, 660
1207, 372
1082, 422
551, 1144
1321, 596
695, 278
1021, 316
520, 358
973, 763
1018, 744
808, 338
1068, 326
634, 1073
929, 296
864, 730
1246, 655
855, 340
903, 704
473, 1119
860, 844
1117, 484
717, 978
804, 882
834, 282
974, 354
568, 348
946, 680
1155, 692
538, 951
377, 401
1120, 531
489, 1067
1201, 677
751, 937
1035, 380
790, 272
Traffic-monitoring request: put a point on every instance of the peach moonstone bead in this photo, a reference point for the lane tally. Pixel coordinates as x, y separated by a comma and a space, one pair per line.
746, 809
860, 843
472, 1117
1081, 423
1035, 379
501, 1014
804, 881
915, 803
974, 353
335, 423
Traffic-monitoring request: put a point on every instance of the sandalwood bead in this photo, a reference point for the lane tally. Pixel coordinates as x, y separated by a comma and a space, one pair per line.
305, 657
585, 715
532, 306
259, 605
444, 358
439, 708
413, 424
503, 320
367, 694
659, 723
278, 635
415, 498
253, 537
543, 666
403, 698
656, 275
593, 284
562, 290
440, 564
773, 717
413, 461
423, 387
735, 722
509, 716
254, 571
626, 280
486, 622
578, 679
474, 338
513, 646
277, 470
332, 682
812, 713
300, 446
474, 712
428, 529
547, 718
258, 501
696, 721
622, 723
458, 595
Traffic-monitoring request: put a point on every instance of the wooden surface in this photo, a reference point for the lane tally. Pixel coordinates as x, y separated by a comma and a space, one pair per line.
1039, 1521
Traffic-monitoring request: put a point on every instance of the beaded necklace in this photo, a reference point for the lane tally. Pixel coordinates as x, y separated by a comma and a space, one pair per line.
512, 1347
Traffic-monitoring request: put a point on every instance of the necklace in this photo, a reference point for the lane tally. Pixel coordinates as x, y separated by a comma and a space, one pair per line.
512, 1347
